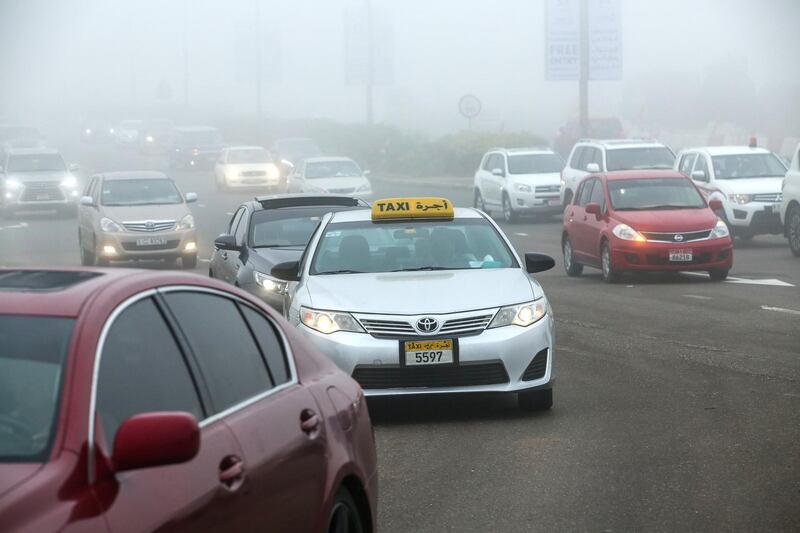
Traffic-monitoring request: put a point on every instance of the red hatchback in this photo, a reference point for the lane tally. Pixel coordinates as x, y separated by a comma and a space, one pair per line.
644, 220
142, 401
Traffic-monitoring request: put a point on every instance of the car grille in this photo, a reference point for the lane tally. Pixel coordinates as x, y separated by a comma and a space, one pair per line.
347, 190
252, 173
42, 191
458, 326
547, 190
673, 236
461, 326
150, 226
463, 375
537, 368
388, 328
133, 247
768, 197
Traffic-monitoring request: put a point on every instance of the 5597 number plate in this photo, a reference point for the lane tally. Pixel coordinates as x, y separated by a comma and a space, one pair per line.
428, 352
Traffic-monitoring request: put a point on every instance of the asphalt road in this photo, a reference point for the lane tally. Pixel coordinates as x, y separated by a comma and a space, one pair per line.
677, 401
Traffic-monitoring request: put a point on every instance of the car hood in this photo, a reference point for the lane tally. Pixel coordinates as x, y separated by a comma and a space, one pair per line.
422, 292
750, 185
126, 213
549, 178
13, 474
245, 167
265, 258
328, 184
668, 220
56, 175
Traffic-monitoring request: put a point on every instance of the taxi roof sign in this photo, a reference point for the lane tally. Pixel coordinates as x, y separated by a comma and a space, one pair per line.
404, 208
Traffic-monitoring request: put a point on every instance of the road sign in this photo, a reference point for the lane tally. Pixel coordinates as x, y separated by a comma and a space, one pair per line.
605, 40
469, 106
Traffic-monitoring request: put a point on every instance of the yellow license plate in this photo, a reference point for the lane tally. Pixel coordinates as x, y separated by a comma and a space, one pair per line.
429, 352
441, 344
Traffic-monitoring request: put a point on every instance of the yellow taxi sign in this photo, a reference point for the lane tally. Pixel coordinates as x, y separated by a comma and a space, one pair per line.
389, 208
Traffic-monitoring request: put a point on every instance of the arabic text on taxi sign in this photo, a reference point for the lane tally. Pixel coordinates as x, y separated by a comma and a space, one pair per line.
412, 208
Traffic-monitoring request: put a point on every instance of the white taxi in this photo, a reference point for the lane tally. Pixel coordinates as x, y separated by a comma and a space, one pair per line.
413, 296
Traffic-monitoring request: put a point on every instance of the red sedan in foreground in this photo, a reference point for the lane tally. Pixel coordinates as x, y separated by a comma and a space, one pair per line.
141, 401
644, 220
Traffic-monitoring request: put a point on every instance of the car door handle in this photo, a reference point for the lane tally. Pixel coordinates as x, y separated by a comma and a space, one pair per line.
309, 422
231, 472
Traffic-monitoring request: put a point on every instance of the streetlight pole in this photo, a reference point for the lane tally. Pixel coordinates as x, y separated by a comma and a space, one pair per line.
257, 42
186, 55
584, 73
370, 62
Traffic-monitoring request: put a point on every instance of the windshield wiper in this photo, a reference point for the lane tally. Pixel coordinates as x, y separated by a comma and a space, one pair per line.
417, 269
342, 271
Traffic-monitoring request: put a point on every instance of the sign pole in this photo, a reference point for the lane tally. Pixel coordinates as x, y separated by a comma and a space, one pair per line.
584, 72
370, 63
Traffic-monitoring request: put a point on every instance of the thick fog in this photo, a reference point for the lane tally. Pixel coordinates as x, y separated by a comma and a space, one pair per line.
687, 65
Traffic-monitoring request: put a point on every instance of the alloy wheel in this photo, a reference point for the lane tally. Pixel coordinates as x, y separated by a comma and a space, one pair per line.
794, 231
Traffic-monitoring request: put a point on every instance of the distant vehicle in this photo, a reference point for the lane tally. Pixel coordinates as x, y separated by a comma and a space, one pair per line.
746, 180
126, 133
294, 150
267, 231
519, 181
155, 136
145, 401
97, 131
37, 179
13, 137
136, 215
247, 167
644, 221
599, 128
195, 146
591, 155
336, 175
790, 206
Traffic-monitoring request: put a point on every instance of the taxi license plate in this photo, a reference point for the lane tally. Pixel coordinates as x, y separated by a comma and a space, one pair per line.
432, 352
151, 241
680, 256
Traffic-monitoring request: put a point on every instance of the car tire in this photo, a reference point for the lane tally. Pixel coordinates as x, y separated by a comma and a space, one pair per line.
793, 230
87, 258
478, 202
536, 400
610, 274
718, 274
344, 516
189, 261
572, 267
509, 215
102, 262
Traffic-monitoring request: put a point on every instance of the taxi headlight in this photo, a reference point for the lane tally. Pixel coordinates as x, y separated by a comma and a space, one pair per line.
740, 198
12, 185
329, 321
269, 283
69, 182
627, 233
521, 187
520, 314
720, 230
109, 226
186, 222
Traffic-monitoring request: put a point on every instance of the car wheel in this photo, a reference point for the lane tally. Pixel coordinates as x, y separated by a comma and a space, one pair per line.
793, 230
610, 274
87, 257
508, 212
718, 274
572, 267
189, 261
102, 262
344, 516
478, 202
536, 400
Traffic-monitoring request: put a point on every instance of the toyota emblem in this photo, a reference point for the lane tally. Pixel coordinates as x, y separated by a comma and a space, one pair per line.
427, 325
150, 225
678, 237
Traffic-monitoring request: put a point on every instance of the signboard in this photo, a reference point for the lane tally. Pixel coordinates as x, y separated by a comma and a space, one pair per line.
563, 43
357, 45
469, 106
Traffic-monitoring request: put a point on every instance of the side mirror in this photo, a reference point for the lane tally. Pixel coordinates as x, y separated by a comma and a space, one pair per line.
226, 242
288, 164
191, 197
699, 175
73, 167
593, 208
155, 439
538, 262
715, 204
88, 201
288, 271
592, 167
498, 172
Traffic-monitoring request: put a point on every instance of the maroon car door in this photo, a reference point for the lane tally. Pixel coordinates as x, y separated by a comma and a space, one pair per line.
142, 369
275, 419
576, 216
592, 224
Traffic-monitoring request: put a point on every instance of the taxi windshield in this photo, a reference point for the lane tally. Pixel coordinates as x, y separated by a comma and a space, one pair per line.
31, 359
140, 192
367, 247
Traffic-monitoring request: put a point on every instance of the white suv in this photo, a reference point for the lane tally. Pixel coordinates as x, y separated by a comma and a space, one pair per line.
519, 181
746, 179
589, 156
790, 208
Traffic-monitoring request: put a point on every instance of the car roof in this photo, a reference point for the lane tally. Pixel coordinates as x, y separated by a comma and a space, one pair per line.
194, 129
728, 150
327, 159
134, 174
32, 151
641, 174
244, 147
528, 150
611, 144
360, 215
281, 201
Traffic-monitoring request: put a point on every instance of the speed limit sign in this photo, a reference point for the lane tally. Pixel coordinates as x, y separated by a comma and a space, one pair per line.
469, 106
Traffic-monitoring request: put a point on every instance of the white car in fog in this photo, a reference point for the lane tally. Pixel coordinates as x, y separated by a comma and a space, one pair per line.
523, 181
246, 166
337, 175
127, 132
790, 208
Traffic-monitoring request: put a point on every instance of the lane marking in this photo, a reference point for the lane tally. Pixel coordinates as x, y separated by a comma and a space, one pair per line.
744, 281
229, 214
21, 225
201, 205
205, 260
780, 310
521, 234
696, 296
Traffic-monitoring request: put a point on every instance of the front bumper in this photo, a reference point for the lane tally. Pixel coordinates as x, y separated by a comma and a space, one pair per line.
756, 217
40, 195
178, 244
246, 182
654, 256
493, 361
534, 203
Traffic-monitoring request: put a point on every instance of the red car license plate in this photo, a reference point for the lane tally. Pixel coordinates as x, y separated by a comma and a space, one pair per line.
680, 256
